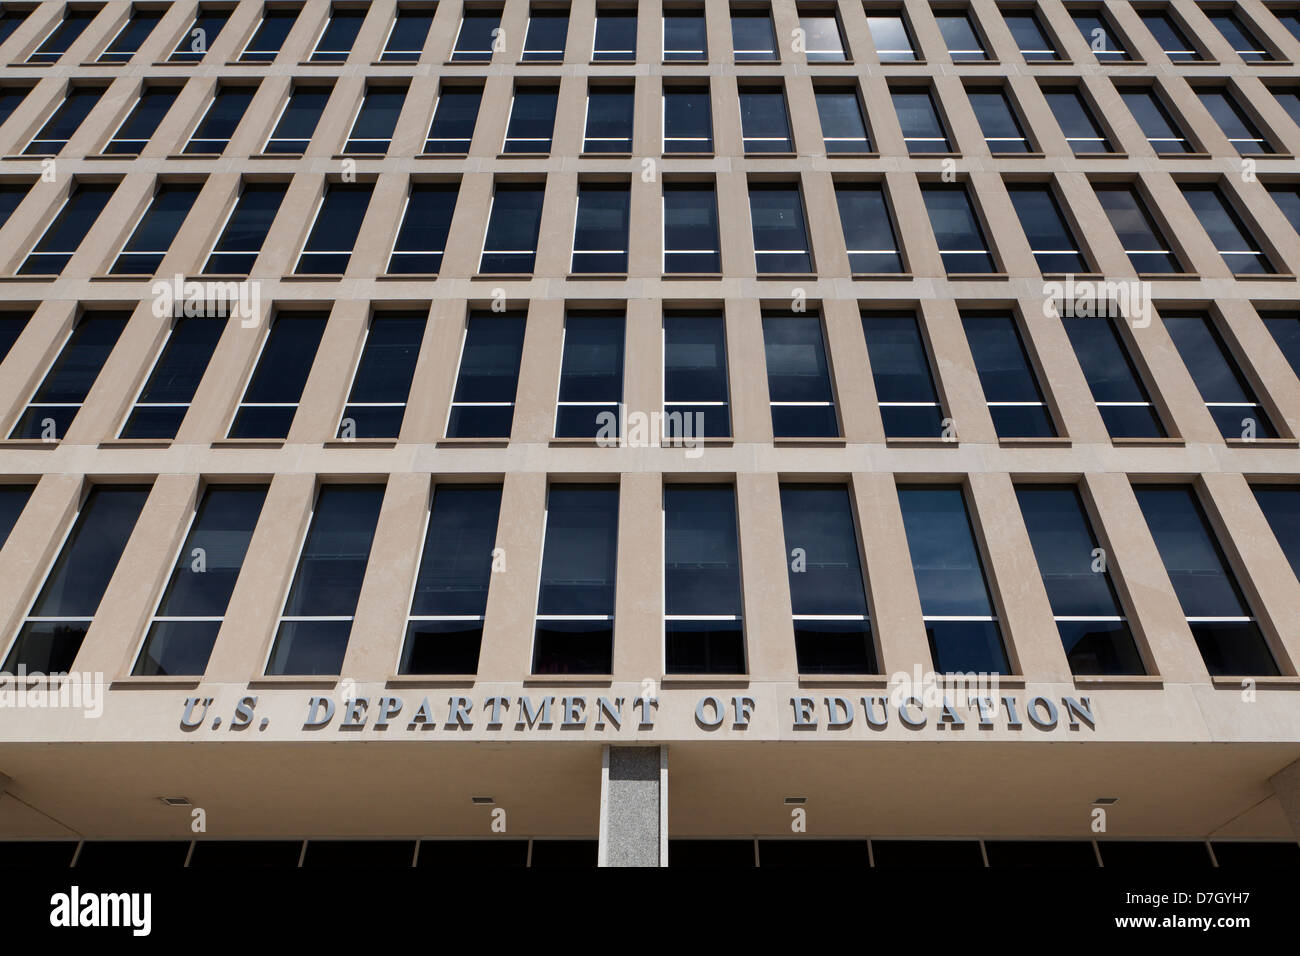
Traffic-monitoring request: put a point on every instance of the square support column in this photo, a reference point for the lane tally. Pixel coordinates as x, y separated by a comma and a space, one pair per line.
634, 806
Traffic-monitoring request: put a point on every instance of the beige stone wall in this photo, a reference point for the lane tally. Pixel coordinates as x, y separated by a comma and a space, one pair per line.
872, 466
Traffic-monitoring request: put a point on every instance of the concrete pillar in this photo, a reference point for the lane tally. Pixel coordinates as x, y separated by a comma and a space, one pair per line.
634, 806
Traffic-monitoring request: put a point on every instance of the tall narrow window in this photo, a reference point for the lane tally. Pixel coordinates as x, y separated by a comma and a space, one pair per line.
64, 34
532, 120
372, 131
271, 399
1138, 233
377, 403
1220, 620
696, 394
158, 226
1080, 126
691, 242
703, 630
250, 220
1010, 386
688, 120
1173, 41
752, 36
1100, 35
547, 34
193, 605
11, 18
1232, 240
1116, 386
1243, 40
843, 128
1158, 125
609, 120
66, 120
55, 248
780, 238
445, 627
891, 37
312, 637
575, 608
50, 411
1227, 394
600, 231
998, 122
133, 33
798, 377
11, 196
1240, 129
265, 44
340, 33
298, 121
764, 123
479, 30
162, 403
483, 405
900, 369
198, 39
1289, 18
55, 626
1281, 507
338, 220
957, 230
960, 36
12, 324
453, 119
138, 128
918, 117
227, 108
960, 621
426, 222
11, 97
869, 233
513, 223
406, 39
832, 629
821, 37
13, 499
615, 38
1032, 39
685, 36
1050, 237
1094, 632
591, 377
1285, 329
1287, 197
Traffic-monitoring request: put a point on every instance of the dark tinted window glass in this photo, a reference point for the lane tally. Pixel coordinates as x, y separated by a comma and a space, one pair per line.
532, 120
1050, 237
868, 229
58, 129
959, 36
688, 120
1240, 37
998, 123
1010, 386
11, 196
832, 631
1100, 36
336, 42
1081, 129
575, 608
153, 235
11, 326
406, 40
377, 402
329, 247
891, 37
702, 603
445, 626
1117, 388
1286, 332
1164, 135
219, 122
138, 128
900, 369
1240, 129
843, 129
62, 37
547, 32
691, 242
1030, 36
65, 386
185, 626
1241, 253
1096, 637
484, 403
453, 120
600, 231
477, 35
198, 39
1226, 393
918, 117
752, 37
423, 236
272, 396
511, 242
798, 377
764, 125
696, 394
1281, 506
685, 35
13, 498
61, 239
10, 97
1138, 233
957, 228
591, 377
1173, 42
780, 239
270, 36
373, 130
62, 613
129, 38
960, 621
615, 35
246, 229
609, 120
293, 133
166, 396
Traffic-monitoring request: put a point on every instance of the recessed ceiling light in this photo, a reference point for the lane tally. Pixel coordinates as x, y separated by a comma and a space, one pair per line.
481, 800
1105, 801
796, 799
176, 801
